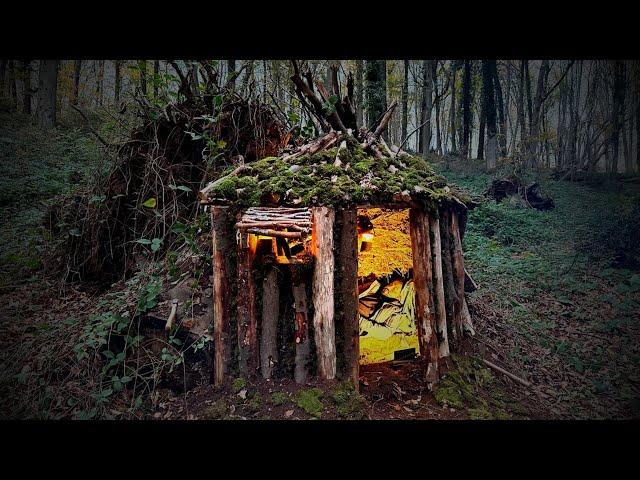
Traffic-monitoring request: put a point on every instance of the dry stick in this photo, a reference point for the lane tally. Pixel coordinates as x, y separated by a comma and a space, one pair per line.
513, 377
102, 140
382, 126
172, 315
410, 135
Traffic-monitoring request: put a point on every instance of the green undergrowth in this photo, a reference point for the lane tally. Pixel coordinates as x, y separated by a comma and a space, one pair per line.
38, 164
470, 386
320, 180
567, 281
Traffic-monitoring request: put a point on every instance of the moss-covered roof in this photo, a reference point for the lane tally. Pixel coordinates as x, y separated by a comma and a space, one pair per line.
355, 178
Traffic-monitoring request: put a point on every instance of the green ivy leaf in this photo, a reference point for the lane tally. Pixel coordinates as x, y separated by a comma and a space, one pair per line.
150, 203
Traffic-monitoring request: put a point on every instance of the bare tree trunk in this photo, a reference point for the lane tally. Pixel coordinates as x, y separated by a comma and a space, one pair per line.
376, 91
47, 93
359, 92
427, 105
77, 69
25, 74
116, 95
3, 76
323, 316
142, 66
269, 331
502, 137
466, 109
231, 73
454, 66
405, 97
489, 110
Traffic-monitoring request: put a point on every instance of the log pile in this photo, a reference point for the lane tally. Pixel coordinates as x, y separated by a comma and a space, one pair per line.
513, 186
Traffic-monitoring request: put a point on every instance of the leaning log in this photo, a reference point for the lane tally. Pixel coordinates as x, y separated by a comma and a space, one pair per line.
422, 279
438, 285
323, 317
347, 264
269, 330
223, 256
247, 309
453, 325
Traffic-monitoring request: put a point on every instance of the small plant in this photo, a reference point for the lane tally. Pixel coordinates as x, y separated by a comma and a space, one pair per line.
310, 401
279, 398
238, 384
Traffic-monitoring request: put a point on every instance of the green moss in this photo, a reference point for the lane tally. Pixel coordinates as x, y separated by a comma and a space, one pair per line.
253, 405
217, 411
310, 401
279, 398
238, 384
349, 403
317, 180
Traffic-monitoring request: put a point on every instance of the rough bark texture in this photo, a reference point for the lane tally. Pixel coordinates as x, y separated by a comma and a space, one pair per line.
458, 269
247, 310
376, 90
447, 274
269, 330
303, 343
323, 317
438, 285
223, 253
422, 278
347, 290
47, 93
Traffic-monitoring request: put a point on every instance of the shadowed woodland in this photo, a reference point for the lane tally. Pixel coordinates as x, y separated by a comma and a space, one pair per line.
113, 247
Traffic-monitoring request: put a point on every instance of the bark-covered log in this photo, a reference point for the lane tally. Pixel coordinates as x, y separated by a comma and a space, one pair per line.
438, 285
303, 343
269, 325
223, 255
347, 289
448, 279
422, 278
458, 268
323, 306
247, 310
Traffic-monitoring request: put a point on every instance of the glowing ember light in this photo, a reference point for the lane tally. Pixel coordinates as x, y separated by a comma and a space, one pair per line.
367, 237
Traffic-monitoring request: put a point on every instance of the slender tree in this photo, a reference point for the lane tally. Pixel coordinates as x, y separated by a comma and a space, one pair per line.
142, 67
466, 109
405, 97
489, 111
427, 105
27, 92
116, 94
77, 68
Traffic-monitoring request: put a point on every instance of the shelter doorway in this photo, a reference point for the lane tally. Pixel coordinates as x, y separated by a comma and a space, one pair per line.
386, 303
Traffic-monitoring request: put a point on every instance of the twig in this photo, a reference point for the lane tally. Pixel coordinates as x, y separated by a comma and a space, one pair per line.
410, 135
102, 140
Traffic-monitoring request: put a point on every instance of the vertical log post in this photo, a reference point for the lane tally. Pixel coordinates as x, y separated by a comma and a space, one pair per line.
451, 296
247, 309
458, 262
269, 330
222, 235
323, 317
422, 278
347, 263
303, 343
438, 285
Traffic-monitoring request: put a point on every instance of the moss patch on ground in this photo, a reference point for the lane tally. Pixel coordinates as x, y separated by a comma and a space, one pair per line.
310, 400
321, 180
349, 403
470, 386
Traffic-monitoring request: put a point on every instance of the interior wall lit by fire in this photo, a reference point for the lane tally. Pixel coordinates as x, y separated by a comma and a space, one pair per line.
385, 285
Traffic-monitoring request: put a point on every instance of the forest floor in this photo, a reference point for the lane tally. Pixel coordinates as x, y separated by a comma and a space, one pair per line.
557, 304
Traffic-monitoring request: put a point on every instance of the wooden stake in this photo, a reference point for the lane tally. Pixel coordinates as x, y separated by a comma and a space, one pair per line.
270, 313
458, 269
323, 318
303, 343
438, 283
422, 279
247, 310
347, 263
223, 255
